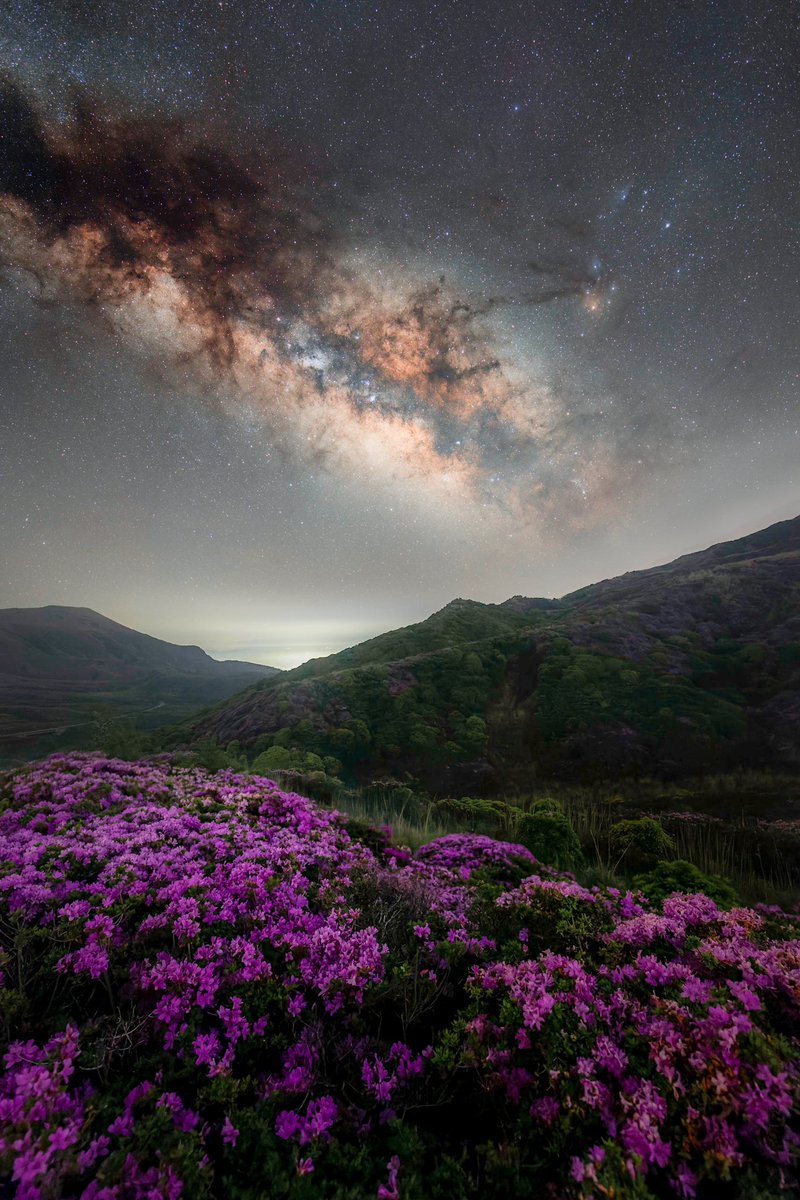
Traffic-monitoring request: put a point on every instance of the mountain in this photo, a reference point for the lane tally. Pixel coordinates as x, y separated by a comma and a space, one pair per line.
681, 669
59, 664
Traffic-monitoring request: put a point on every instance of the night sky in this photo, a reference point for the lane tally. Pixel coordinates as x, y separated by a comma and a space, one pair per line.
318, 315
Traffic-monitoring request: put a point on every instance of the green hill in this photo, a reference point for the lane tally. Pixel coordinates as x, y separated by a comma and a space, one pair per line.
681, 669
60, 665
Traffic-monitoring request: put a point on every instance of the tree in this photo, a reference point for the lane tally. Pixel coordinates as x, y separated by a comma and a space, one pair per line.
117, 738
475, 736
277, 758
210, 755
423, 739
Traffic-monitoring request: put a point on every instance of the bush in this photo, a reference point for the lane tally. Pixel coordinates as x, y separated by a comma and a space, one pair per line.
546, 830
473, 809
682, 876
118, 738
639, 843
213, 989
278, 759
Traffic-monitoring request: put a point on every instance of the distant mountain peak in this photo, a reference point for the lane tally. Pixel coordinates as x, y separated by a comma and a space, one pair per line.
59, 663
523, 604
459, 603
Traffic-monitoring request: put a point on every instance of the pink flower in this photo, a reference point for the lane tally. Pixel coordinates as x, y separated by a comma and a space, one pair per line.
388, 1190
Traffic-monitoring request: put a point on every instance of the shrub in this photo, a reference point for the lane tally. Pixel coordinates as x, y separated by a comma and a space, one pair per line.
473, 809
639, 843
213, 989
682, 876
547, 831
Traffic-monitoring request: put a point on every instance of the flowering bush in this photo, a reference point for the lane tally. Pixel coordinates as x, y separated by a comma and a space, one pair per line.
210, 988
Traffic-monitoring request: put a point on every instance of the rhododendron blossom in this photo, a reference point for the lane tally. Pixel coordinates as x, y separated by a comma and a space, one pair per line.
203, 973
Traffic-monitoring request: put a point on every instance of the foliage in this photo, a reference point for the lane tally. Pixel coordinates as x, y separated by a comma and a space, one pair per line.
473, 809
208, 754
640, 842
580, 687
547, 831
279, 758
211, 989
117, 738
681, 876
655, 674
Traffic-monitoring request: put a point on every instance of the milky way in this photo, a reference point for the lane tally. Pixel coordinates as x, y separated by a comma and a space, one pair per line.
198, 258
422, 302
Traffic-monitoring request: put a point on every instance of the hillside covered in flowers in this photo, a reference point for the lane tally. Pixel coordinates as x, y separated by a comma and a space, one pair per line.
212, 988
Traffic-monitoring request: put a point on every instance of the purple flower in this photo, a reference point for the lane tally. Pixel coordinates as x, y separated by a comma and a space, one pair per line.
229, 1132
238, 925
388, 1190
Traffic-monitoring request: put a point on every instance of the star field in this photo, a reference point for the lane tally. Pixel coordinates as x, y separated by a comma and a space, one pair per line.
318, 315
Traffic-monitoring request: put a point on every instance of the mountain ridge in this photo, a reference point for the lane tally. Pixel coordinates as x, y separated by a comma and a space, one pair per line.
25, 622
692, 665
59, 664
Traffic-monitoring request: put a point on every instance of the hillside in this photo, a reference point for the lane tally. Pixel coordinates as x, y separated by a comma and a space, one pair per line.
684, 668
59, 664
216, 989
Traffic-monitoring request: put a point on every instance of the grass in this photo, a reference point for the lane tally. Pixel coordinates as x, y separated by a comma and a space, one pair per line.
761, 858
